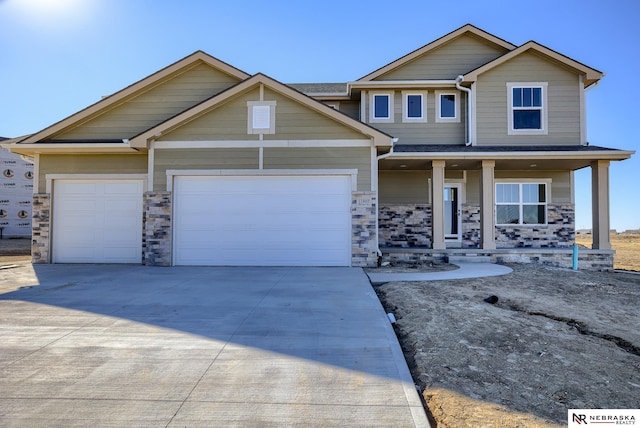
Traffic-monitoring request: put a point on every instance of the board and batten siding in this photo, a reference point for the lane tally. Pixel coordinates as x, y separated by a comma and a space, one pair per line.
447, 61
563, 96
430, 132
164, 159
153, 106
90, 164
322, 158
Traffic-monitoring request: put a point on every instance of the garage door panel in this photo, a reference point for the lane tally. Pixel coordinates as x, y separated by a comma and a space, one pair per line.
97, 221
263, 220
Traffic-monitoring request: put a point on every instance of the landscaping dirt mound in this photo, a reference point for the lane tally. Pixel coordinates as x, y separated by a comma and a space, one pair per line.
552, 339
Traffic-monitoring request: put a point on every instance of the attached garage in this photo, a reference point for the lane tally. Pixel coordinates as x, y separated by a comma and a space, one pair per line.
262, 220
97, 221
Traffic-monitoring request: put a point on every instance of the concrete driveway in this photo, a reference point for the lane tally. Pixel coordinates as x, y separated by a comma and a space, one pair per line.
87, 345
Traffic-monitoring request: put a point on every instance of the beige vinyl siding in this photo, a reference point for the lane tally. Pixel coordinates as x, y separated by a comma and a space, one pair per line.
412, 187
472, 187
351, 109
563, 102
424, 133
154, 106
293, 122
457, 57
560, 182
298, 122
90, 164
404, 187
165, 159
322, 158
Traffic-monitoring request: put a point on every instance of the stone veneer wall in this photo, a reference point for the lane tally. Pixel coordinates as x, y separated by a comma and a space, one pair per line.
405, 226
156, 239
559, 232
41, 228
364, 252
470, 226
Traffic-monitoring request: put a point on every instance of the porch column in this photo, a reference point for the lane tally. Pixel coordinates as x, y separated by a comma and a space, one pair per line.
437, 205
487, 204
600, 205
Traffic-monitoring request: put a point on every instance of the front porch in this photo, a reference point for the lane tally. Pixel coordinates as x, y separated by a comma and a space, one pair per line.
511, 204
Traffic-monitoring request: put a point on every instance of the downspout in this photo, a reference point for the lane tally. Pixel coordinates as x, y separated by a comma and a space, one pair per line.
378, 158
459, 80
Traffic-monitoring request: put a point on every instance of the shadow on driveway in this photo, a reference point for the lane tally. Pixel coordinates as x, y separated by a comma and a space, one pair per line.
208, 345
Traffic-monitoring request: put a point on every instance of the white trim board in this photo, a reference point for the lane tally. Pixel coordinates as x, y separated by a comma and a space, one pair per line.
261, 172
51, 177
231, 144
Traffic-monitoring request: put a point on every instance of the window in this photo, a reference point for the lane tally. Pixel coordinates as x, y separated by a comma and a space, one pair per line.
447, 107
261, 117
527, 111
521, 203
413, 106
381, 107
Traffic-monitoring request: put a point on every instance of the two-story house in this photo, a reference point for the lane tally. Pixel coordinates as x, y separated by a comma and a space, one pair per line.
466, 145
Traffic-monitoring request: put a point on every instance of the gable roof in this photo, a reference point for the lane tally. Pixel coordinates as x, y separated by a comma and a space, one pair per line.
591, 74
465, 29
186, 63
142, 140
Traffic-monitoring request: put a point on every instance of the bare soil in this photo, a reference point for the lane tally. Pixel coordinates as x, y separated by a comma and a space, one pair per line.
555, 339
15, 250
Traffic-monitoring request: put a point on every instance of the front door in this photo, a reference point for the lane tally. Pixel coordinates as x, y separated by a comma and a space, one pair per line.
452, 209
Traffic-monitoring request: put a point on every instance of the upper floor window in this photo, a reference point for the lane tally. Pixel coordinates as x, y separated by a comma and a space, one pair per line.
381, 107
521, 203
447, 107
414, 106
527, 104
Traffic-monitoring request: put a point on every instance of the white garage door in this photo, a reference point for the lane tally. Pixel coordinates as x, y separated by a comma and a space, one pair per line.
97, 221
262, 221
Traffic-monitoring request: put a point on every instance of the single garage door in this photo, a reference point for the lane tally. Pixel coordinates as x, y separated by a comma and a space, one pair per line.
97, 221
262, 220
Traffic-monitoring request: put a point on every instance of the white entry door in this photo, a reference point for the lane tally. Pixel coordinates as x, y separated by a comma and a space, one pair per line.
262, 220
97, 221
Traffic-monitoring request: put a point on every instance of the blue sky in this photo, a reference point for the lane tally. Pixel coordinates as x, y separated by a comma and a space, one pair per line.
58, 56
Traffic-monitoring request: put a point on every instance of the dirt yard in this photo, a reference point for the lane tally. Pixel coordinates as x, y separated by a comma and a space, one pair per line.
555, 339
627, 248
15, 250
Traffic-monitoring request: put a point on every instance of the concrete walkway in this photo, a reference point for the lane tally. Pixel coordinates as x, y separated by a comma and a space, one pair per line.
141, 346
466, 270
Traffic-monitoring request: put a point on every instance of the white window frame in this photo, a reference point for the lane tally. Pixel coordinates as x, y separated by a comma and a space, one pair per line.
253, 106
544, 110
405, 106
372, 107
439, 118
520, 203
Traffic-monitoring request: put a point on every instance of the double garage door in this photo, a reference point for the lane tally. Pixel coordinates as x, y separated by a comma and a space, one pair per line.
217, 220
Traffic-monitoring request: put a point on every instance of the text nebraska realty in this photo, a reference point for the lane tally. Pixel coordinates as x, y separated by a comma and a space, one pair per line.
604, 419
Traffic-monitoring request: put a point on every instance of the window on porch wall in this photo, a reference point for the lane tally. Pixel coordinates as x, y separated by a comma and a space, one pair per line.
521, 203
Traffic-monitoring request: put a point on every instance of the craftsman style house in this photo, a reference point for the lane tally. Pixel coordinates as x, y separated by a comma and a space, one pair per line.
466, 145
